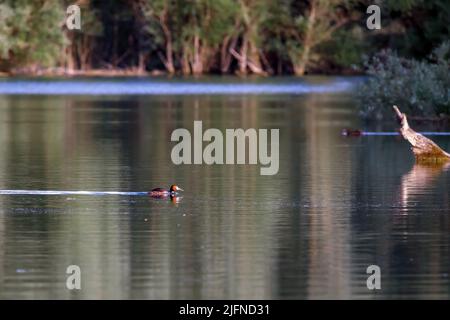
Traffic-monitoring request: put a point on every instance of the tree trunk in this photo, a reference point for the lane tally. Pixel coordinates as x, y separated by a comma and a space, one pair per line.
225, 57
197, 63
70, 60
83, 48
255, 62
300, 66
185, 60
252, 66
168, 60
266, 63
243, 56
423, 148
224, 61
141, 64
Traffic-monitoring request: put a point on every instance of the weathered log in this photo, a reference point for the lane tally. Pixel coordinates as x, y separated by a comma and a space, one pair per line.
423, 148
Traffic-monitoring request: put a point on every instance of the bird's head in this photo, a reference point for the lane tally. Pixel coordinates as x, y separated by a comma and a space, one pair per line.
174, 188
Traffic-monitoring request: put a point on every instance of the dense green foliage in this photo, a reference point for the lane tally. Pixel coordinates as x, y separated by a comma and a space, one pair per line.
215, 36
421, 88
30, 32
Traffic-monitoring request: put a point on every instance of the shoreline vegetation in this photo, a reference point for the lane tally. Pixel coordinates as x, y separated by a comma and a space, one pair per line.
240, 37
421, 87
261, 37
62, 72
136, 72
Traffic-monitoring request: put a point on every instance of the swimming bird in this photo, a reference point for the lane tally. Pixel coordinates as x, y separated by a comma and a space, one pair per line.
165, 193
351, 132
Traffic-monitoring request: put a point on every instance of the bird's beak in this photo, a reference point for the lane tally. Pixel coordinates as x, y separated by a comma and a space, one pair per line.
179, 189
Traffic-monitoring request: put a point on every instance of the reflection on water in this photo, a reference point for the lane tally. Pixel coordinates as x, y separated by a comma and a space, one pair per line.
336, 206
420, 180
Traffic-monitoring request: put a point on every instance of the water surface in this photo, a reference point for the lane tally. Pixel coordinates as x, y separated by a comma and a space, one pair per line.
336, 206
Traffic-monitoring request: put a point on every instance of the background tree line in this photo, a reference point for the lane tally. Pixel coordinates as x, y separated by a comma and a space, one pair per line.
214, 36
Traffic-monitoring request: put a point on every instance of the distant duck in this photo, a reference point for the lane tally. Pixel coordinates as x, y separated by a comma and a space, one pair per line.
165, 193
351, 132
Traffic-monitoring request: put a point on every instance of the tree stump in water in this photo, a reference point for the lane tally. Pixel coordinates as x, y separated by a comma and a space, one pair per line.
424, 149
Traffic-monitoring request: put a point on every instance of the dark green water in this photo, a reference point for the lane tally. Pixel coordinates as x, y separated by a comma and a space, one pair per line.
336, 206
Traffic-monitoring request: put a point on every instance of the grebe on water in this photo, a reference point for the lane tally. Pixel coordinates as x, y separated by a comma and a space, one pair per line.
351, 132
165, 193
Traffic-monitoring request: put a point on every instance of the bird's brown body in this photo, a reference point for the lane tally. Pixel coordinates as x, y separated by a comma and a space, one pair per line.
351, 133
165, 193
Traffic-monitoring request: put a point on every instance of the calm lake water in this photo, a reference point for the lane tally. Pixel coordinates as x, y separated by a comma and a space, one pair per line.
336, 206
